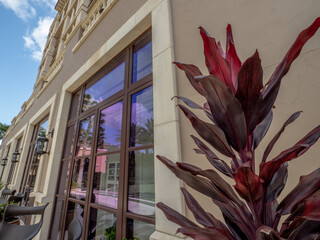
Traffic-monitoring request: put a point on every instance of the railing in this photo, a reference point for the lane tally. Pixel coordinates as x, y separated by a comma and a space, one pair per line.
99, 9
55, 67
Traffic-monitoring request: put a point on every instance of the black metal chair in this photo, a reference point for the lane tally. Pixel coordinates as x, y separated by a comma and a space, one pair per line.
23, 232
6, 192
74, 229
14, 199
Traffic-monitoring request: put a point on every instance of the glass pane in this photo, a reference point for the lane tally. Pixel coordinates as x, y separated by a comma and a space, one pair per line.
42, 129
85, 136
56, 227
141, 182
102, 225
63, 181
74, 108
75, 210
106, 180
141, 132
80, 179
110, 128
18, 144
142, 62
105, 87
69, 141
137, 230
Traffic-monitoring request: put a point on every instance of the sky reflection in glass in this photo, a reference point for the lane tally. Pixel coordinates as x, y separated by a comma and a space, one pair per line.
110, 84
142, 62
141, 132
110, 128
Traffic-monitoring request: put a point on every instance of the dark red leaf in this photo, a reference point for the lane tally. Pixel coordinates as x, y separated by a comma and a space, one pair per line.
290, 120
307, 185
218, 182
203, 233
209, 132
287, 229
213, 159
189, 102
248, 93
220, 50
267, 233
198, 151
191, 71
198, 183
261, 130
307, 230
312, 207
271, 91
175, 217
311, 138
237, 221
248, 184
232, 57
216, 64
267, 170
201, 216
270, 212
226, 111
277, 183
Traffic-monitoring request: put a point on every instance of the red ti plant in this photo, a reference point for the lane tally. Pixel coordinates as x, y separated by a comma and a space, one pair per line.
239, 108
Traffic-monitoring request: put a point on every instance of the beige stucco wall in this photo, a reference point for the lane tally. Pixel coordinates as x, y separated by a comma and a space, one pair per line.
271, 27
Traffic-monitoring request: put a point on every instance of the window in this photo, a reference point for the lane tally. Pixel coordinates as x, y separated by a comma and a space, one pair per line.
33, 159
6, 156
107, 169
13, 164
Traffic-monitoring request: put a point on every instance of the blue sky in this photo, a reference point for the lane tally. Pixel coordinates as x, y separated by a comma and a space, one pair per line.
23, 32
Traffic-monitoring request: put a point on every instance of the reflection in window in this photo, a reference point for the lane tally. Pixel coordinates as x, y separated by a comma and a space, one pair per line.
141, 132
142, 62
141, 182
110, 128
85, 136
42, 129
79, 179
104, 88
102, 225
74, 109
139, 230
106, 180
74, 210
69, 141
64, 177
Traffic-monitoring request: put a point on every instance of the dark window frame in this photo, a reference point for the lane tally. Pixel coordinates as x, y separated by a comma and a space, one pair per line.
123, 95
13, 164
30, 162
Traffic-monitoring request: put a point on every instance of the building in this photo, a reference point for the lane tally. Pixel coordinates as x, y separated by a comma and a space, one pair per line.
102, 98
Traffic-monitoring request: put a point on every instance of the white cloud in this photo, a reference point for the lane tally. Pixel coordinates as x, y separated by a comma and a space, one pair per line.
49, 3
28, 42
36, 40
21, 8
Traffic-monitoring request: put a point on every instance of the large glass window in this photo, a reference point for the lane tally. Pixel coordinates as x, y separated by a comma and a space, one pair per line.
107, 166
33, 159
13, 163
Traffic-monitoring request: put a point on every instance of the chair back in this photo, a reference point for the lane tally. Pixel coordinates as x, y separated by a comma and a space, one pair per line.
6, 192
74, 229
20, 194
15, 199
26, 232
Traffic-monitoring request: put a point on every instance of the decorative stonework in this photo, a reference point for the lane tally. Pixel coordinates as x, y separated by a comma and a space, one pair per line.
52, 72
97, 12
99, 9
